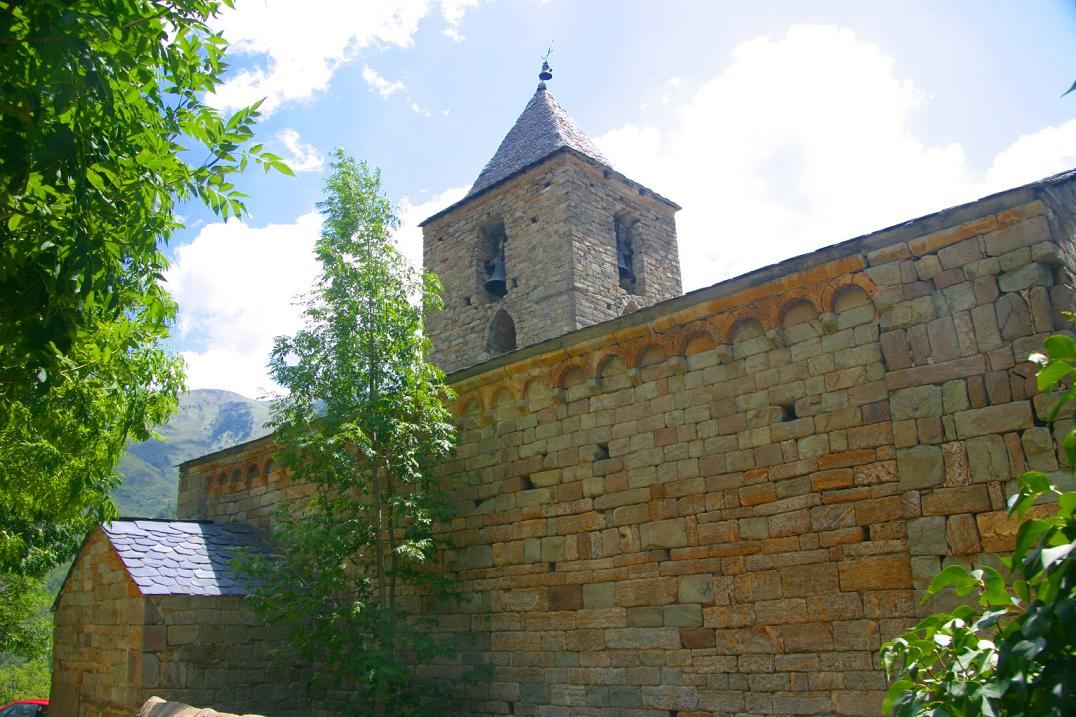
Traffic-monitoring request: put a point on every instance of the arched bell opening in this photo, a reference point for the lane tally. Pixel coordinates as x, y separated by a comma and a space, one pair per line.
491, 268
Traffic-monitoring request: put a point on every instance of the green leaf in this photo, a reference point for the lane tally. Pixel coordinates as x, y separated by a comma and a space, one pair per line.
956, 575
1061, 346
1052, 373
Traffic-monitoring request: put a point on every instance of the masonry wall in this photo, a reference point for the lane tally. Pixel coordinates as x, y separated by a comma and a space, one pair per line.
214, 651
560, 256
97, 637
725, 503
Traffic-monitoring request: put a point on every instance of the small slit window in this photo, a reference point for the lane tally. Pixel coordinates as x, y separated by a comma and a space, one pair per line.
624, 231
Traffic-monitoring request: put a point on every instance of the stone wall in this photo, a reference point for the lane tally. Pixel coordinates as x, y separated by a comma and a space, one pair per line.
560, 256
97, 637
214, 650
725, 503
239, 484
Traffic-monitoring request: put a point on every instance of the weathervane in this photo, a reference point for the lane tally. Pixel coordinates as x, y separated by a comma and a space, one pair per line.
547, 71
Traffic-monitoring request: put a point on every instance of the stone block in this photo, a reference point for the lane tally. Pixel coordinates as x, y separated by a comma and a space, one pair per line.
943, 339
643, 638
683, 615
566, 597
645, 617
1002, 418
646, 591
954, 396
875, 572
1039, 449
958, 255
741, 641
927, 536
663, 534
1025, 233
987, 459
696, 589
936, 373
915, 402
950, 501
1025, 277
963, 535
722, 531
758, 494
816, 637
908, 313
182, 635
920, 466
1014, 318
984, 319
598, 595
697, 638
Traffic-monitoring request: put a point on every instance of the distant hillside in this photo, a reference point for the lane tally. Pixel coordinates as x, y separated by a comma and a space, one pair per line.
207, 420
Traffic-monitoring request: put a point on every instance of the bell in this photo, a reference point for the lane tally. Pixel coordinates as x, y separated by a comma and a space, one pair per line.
546, 73
495, 283
623, 267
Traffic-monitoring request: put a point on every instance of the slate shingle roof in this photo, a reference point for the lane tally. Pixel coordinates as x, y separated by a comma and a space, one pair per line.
174, 557
542, 129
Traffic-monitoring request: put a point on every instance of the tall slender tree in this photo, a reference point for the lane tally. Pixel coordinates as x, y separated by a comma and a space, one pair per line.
363, 422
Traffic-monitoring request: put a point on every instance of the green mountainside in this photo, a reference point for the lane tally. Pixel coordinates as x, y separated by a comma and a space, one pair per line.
207, 420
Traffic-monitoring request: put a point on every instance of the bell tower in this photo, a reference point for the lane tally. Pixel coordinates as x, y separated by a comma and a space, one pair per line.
549, 239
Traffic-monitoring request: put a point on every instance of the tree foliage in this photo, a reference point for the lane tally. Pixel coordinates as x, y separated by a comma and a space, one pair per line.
1017, 655
362, 425
102, 132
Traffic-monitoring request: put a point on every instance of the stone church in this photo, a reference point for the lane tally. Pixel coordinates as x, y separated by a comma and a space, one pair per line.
678, 505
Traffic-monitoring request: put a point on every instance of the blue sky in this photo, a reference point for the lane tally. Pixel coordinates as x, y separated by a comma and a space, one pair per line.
780, 127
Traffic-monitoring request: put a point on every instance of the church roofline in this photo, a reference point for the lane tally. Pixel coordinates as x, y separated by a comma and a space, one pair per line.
547, 158
926, 224
936, 221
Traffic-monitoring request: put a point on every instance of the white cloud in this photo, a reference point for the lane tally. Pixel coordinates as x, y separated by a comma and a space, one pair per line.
800, 142
301, 157
298, 46
453, 11
803, 142
1034, 156
409, 235
235, 286
379, 84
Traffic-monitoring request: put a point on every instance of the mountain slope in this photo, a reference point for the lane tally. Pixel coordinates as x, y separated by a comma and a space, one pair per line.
207, 420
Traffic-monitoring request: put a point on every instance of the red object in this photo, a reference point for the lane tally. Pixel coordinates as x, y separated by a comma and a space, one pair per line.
25, 708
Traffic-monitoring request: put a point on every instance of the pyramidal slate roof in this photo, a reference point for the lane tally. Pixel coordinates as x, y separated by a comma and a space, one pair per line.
542, 129
175, 557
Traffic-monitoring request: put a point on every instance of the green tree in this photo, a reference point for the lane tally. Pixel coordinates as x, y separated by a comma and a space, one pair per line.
1017, 655
362, 424
102, 132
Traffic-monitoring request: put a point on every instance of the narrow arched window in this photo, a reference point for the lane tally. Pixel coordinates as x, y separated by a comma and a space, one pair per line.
624, 230
501, 337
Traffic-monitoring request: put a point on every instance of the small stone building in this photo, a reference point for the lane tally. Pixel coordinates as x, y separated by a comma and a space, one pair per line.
153, 608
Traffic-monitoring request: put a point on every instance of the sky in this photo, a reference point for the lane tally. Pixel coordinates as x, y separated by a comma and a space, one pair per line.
779, 127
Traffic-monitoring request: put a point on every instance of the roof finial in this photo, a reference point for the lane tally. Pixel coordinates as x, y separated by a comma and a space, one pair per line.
547, 71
